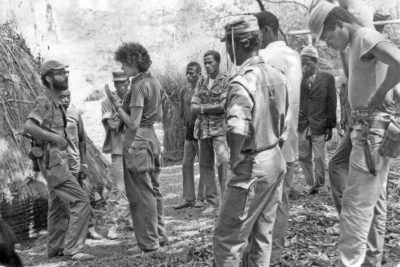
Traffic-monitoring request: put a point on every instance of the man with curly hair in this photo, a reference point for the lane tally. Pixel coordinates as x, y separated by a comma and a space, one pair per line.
256, 110
141, 148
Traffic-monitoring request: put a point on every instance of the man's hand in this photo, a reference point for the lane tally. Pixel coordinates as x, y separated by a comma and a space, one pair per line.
376, 101
328, 135
115, 100
82, 172
61, 142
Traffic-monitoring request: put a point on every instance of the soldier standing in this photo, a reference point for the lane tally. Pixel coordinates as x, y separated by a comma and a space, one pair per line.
191, 146
373, 89
77, 148
113, 145
69, 207
256, 109
208, 103
141, 148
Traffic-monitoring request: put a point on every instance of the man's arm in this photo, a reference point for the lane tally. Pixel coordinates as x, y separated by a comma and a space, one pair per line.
389, 54
82, 141
32, 127
238, 117
208, 108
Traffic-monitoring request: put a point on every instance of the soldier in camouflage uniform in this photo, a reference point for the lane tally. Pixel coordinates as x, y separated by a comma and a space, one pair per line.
69, 207
256, 110
208, 102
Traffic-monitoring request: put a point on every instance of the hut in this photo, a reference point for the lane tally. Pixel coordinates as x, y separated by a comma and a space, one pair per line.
23, 197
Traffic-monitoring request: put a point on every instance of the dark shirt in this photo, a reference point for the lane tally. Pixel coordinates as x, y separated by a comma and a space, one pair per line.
318, 104
188, 117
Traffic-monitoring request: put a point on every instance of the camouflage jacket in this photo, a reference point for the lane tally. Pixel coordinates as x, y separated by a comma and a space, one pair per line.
210, 125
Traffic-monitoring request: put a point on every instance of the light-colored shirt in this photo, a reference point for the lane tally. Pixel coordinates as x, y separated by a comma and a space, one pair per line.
366, 72
281, 56
72, 129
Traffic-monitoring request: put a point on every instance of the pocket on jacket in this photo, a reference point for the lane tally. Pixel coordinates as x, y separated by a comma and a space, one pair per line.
139, 157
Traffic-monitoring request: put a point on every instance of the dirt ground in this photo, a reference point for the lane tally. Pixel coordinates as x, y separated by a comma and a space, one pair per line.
311, 239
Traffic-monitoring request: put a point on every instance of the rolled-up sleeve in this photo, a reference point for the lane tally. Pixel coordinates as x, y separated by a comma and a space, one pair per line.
238, 110
40, 110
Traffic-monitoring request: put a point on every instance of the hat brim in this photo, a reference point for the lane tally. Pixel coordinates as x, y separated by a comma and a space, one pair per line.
121, 79
62, 66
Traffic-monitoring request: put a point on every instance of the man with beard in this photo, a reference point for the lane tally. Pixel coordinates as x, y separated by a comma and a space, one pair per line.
77, 148
191, 146
208, 103
69, 207
256, 109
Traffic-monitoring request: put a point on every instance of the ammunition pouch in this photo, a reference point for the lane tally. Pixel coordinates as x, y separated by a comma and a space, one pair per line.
390, 146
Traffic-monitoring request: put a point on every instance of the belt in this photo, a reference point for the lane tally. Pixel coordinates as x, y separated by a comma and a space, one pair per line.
374, 123
146, 126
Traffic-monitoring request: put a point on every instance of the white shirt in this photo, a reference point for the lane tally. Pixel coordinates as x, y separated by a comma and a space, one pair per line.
279, 55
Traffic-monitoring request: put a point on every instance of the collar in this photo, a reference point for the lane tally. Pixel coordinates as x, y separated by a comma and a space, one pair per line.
53, 97
250, 61
276, 44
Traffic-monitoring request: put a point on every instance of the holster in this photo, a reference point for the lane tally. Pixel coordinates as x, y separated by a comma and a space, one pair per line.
367, 147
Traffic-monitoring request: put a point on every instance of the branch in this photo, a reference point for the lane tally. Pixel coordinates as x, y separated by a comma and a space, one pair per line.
287, 2
261, 5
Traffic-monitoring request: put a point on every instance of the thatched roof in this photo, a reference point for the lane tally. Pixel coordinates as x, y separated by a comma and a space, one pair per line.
19, 85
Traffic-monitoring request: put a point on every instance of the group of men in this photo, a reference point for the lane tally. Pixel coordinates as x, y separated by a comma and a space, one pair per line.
248, 124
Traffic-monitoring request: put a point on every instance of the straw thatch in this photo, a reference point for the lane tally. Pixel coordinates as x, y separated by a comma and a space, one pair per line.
23, 199
19, 85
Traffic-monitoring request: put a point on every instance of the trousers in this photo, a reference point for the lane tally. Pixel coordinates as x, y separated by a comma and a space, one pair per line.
190, 150
143, 189
248, 209
309, 145
338, 169
363, 212
213, 152
282, 216
68, 207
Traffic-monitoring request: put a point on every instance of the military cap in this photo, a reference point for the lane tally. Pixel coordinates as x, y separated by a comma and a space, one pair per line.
318, 16
51, 65
309, 51
241, 25
119, 76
